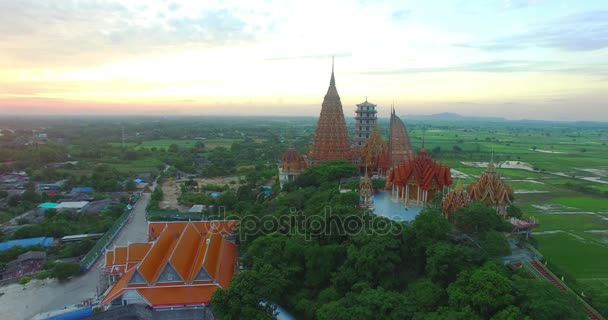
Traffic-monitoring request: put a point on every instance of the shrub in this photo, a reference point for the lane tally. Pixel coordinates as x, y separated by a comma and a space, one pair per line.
24, 280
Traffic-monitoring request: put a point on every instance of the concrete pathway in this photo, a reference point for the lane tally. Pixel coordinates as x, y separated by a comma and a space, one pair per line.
24, 302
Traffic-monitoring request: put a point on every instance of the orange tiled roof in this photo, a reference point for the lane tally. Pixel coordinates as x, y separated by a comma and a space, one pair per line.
192, 295
183, 250
120, 255
226, 264
183, 258
137, 251
152, 264
109, 258
224, 227
422, 170
118, 287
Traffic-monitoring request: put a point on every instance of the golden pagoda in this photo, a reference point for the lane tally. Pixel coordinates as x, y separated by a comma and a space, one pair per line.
490, 189
375, 152
456, 199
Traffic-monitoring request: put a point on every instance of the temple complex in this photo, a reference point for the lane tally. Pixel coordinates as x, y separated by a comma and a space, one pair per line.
399, 146
365, 120
331, 140
490, 189
456, 199
181, 267
292, 164
418, 179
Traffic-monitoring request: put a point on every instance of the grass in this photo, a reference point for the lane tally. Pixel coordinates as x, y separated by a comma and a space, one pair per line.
166, 143
584, 203
187, 143
139, 166
582, 261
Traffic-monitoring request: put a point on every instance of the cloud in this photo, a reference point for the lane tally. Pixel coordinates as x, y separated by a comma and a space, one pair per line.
401, 14
312, 57
499, 66
585, 31
76, 33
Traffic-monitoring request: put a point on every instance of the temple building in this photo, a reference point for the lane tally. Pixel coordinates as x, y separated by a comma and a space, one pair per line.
374, 153
456, 199
365, 119
331, 140
418, 179
490, 189
292, 164
181, 267
399, 146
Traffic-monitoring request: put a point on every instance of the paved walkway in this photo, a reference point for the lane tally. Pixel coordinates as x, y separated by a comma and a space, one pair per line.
24, 302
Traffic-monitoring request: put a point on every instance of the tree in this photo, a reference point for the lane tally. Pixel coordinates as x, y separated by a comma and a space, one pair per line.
425, 295
249, 295
130, 186
486, 291
495, 244
445, 261
369, 304
63, 271
429, 227
514, 212
477, 218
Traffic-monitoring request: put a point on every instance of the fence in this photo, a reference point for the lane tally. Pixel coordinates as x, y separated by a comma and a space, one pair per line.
91, 257
156, 215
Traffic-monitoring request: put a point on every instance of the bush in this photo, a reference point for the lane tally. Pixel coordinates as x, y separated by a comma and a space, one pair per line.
62, 271
24, 280
43, 275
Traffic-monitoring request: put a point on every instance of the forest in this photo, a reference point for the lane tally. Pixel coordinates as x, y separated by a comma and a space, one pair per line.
427, 269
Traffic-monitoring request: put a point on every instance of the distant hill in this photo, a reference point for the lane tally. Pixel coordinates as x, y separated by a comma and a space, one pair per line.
449, 116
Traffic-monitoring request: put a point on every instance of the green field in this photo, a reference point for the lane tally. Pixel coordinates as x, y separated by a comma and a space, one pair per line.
575, 243
166, 143
583, 261
188, 143
584, 203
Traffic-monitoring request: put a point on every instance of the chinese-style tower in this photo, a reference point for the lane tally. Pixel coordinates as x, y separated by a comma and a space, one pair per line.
331, 138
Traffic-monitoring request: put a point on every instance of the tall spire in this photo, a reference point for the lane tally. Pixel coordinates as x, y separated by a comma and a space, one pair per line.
332, 82
331, 136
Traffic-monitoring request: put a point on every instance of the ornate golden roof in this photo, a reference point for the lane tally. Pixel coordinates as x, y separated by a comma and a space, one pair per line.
375, 149
455, 200
489, 188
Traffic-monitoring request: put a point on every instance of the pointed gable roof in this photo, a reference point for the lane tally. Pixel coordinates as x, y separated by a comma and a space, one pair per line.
154, 262
489, 188
182, 268
421, 169
185, 254
156, 227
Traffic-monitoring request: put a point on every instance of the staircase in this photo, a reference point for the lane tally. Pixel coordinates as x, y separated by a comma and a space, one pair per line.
540, 270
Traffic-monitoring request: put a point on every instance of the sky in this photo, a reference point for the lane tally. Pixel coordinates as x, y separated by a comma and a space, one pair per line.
532, 59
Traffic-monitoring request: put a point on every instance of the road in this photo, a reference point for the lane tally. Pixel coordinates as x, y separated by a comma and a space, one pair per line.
24, 302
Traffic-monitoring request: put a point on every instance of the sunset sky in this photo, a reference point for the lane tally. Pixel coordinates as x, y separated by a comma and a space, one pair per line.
536, 59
